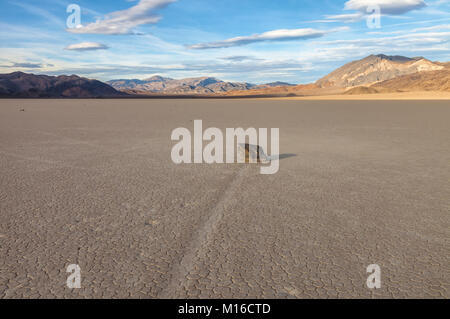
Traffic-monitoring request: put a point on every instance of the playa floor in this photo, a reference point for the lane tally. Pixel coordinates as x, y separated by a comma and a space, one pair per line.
91, 182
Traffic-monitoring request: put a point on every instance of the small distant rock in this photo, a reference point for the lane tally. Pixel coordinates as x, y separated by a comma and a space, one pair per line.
151, 223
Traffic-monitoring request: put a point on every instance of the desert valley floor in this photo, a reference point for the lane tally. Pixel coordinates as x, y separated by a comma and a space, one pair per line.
91, 182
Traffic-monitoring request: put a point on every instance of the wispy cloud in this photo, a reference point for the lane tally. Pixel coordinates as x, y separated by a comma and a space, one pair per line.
275, 35
413, 42
346, 18
28, 65
40, 12
25, 65
86, 46
408, 31
240, 58
386, 6
124, 21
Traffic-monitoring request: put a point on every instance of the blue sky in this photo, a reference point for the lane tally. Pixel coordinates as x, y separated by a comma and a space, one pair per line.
256, 41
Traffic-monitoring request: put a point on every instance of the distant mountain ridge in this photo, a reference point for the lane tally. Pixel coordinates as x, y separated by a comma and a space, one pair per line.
376, 68
162, 85
19, 84
200, 85
272, 85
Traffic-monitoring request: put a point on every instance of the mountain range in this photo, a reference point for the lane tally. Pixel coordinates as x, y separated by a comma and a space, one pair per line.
19, 84
200, 85
373, 74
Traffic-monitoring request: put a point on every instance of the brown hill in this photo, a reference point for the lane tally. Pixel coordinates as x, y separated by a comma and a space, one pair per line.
19, 84
376, 68
361, 90
421, 81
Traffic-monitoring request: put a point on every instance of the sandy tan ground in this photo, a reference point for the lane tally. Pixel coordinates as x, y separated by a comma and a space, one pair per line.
420, 95
91, 182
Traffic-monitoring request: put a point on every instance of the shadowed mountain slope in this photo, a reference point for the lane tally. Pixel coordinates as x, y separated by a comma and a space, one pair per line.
19, 84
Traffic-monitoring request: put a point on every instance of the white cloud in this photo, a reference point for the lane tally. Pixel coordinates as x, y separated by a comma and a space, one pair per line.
351, 17
275, 35
124, 21
345, 18
86, 46
387, 6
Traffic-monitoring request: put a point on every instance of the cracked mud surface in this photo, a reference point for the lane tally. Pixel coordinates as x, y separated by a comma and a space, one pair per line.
91, 182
